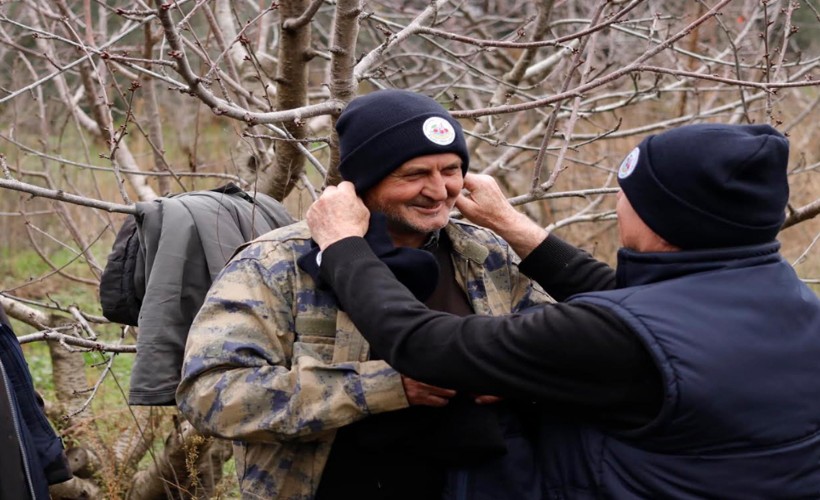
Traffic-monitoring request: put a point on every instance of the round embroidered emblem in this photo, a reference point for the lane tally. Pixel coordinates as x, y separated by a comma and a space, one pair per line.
438, 130
629, 164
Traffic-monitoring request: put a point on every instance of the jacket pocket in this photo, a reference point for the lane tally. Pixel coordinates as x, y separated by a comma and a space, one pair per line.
315, 337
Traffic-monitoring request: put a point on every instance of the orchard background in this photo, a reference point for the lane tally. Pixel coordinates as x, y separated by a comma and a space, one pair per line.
105, 103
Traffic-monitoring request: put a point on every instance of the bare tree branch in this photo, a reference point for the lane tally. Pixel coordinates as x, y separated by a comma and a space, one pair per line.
106, 102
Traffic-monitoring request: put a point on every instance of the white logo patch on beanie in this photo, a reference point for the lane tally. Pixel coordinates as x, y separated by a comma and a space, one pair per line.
629, 164
438, 130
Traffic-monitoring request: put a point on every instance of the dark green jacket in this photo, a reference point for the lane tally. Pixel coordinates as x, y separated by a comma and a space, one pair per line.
186, 240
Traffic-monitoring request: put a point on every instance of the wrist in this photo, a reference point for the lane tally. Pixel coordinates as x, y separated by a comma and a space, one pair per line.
504, 221
523, 234
329, 240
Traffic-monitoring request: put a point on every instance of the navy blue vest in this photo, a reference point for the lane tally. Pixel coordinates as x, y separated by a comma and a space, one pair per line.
736, 337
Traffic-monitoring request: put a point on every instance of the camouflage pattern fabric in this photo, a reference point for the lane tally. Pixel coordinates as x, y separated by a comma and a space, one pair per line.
272, 364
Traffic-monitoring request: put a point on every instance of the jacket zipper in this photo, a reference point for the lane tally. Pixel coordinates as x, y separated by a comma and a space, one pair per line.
15, 417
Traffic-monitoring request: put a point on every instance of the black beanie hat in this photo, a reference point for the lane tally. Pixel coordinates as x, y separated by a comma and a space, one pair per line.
380, 131
710, 185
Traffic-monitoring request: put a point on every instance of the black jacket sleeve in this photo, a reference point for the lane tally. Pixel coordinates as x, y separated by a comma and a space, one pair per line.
581, 359
564, 270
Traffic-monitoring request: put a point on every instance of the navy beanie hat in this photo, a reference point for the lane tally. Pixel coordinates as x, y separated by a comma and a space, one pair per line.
380, 131
710, 185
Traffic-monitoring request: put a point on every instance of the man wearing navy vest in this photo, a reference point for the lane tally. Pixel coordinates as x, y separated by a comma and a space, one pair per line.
691, 371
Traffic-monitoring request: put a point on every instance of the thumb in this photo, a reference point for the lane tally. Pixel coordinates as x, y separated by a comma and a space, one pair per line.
347, 187
470, 181
464, 201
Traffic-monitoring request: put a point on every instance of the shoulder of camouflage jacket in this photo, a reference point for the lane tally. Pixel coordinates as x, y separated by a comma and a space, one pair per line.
480, 244
292, 240
274, 257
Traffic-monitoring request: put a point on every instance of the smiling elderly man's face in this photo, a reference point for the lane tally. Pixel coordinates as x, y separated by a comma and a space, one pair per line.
418, 196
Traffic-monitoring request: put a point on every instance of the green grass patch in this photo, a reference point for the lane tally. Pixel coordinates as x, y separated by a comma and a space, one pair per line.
26, 265
39, 364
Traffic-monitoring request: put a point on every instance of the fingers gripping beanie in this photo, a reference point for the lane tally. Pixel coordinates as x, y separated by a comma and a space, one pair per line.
380, 131
710, 185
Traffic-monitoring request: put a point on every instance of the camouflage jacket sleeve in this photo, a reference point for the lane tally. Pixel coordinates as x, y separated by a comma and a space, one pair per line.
248, 375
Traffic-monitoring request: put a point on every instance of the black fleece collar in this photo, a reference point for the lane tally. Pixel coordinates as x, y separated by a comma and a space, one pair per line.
642, 268
415, 268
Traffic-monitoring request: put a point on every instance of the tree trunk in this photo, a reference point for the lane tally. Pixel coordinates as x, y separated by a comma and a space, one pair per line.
291, 82
190, 466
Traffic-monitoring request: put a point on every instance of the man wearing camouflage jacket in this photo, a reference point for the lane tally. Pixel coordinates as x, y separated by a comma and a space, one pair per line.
272, 363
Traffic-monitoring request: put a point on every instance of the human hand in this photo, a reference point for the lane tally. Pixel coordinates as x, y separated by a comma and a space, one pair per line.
485, 203
421, 394
487, 206
337, 214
